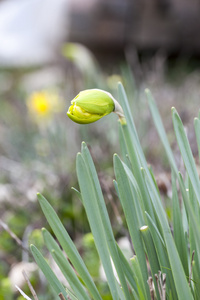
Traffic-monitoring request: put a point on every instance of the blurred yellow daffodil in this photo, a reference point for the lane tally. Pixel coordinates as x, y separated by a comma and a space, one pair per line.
91, 105
42, 104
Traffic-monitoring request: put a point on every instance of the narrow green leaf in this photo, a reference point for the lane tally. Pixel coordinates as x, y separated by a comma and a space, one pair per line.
95, 221
120, 292
105, 218
196, 279
154, 229
139, 276
179, 236
136, 157
136, 167
193, 221
194, 247
134, 148
181, 284
193, 200
163, 137
161, 131
64, 266
140, 202
78, 193
127, 270
162, 257
197, 132
127, 202
47, 271
72, 297
186, 153
160, 128
74, 282
68, 246
151, 254
123, 148
131, 128
127, 111
184, 217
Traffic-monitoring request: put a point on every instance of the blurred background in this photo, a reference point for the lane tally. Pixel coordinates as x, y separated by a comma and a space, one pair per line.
49, 51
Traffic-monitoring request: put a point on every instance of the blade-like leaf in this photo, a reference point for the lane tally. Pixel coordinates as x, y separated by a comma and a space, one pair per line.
128, 271
64, 266
197, 132
127, 202
68, 246
151, 254
139, 276
162, 256
161, 131
174, 259
105, 218
49, 274
179, 236
95, 221
186, 153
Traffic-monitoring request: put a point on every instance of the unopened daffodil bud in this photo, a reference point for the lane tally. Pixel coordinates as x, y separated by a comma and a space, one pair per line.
91, 105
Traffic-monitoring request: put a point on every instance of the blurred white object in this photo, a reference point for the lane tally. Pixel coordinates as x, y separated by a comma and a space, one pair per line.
124, 245
31, 31
16, 276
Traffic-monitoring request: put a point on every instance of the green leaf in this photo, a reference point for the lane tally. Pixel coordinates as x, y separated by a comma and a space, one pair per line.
95, 221
154, 228
49, 274
123, 148
179, 236
140, 202
105, 218
162, 256
180, 281
161, 131
128, 272
195, 277
64, 266
197, 132
127, 111
151, 254
136, 167
128, 203
139, 276
193, 221
68, 246
78, 193
186, 153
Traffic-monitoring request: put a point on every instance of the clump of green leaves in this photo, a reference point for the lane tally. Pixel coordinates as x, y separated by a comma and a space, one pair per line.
173, 258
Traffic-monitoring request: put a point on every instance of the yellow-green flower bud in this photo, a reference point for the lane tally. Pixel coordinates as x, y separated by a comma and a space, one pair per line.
91, 105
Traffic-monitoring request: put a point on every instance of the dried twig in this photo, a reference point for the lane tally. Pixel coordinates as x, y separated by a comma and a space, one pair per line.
13, 235
30, 285
22, 293
151, 287
190, 276
61, 296
158, 284
161, 283
164, 287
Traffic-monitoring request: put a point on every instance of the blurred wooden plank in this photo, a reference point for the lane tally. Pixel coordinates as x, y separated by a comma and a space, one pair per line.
173, 25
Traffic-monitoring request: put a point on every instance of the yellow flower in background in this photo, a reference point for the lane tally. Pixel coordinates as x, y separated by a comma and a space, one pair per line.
43, 104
